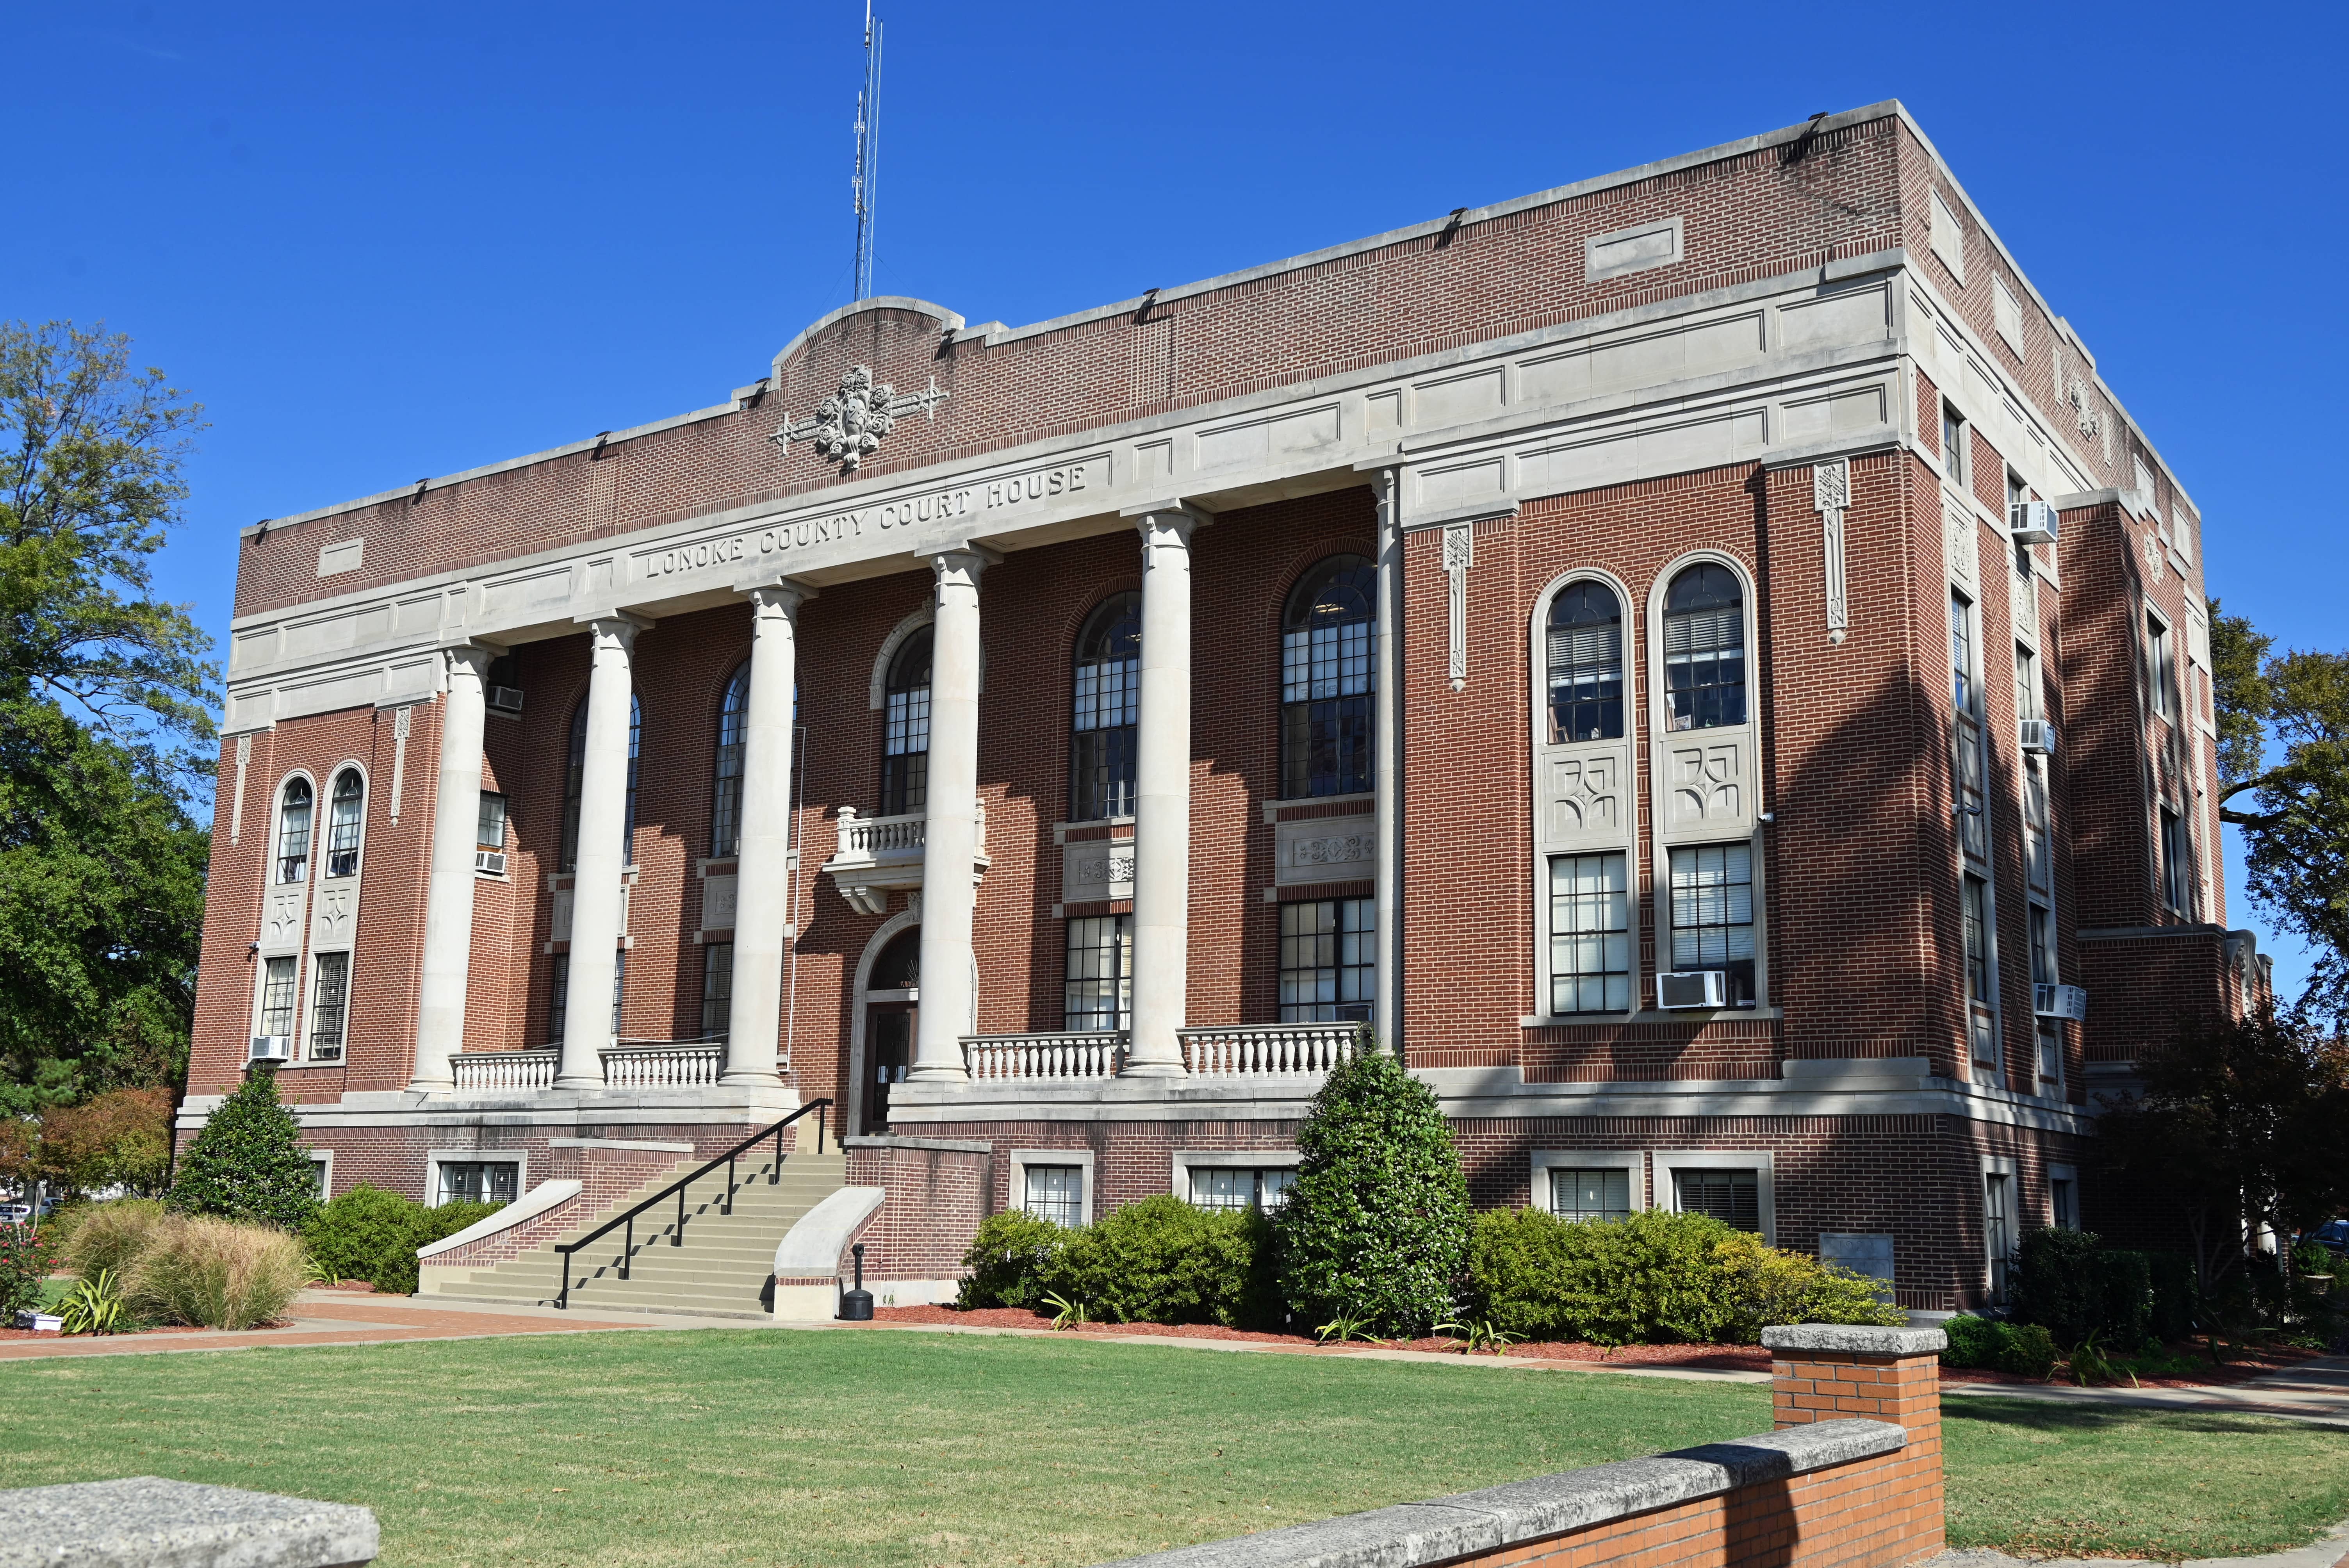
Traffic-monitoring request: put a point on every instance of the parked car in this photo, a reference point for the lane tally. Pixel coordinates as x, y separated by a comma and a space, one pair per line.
14, 1213
2333, 1236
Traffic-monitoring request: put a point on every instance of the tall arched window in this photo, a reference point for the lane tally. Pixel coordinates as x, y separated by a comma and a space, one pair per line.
726, 798
1704, 648
1106, 726
1327, 680
294, 832
575, 779
344, 816
1585, 663
905, 729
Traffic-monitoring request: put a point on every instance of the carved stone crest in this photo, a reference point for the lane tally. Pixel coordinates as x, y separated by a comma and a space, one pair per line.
848, 426
2084, 409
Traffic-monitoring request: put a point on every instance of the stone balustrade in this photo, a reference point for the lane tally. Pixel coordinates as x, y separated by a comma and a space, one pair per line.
488, 1071
663, 1064
881, 855
1058, 1056
1271, 1050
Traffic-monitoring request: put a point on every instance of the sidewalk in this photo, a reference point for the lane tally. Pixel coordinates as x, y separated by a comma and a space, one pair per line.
2316, 1392
338, 1317
2327, 1552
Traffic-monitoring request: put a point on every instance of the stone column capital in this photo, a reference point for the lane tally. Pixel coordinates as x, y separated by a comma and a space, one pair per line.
771, 594
470, 658
1168, 523
959, 565
615, 629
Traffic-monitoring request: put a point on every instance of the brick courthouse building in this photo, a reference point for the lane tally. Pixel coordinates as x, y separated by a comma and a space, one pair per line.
1697, 660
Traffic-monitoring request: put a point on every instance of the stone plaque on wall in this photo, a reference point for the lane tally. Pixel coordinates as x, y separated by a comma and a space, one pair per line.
1096, 870
1325, 849
717, 902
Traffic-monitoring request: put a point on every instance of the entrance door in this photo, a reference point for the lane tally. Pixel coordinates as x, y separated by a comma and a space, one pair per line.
888, 1053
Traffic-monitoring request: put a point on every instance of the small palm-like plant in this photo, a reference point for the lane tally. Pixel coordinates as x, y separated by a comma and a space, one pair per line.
95, 1306
1348, 1326
1478, 1333
1067, 1314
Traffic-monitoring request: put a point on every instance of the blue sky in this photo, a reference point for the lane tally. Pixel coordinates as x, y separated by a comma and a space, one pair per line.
382, 242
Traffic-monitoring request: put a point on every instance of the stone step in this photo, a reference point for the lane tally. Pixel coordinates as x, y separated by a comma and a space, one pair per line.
721, 1268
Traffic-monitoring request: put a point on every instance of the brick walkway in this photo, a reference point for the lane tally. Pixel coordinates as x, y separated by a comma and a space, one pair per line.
2314, 1391
338, 1317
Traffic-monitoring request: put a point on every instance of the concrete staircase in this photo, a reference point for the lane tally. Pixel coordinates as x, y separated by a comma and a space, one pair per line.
724, 1269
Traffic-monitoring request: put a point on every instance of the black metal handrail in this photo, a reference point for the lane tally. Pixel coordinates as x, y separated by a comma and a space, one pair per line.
628, 1247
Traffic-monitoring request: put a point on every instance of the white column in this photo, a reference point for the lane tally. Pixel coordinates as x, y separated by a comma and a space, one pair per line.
1388, 756
762, 874
950, 846
448, 895
1162, 798
596, 897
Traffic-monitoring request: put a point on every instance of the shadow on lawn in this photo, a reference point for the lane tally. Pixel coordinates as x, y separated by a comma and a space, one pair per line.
2086, 1420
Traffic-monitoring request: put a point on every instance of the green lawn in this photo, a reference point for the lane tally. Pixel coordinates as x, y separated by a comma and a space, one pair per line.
2075, 1480
820, 1449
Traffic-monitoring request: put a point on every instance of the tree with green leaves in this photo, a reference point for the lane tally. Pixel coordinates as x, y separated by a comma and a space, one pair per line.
1376, 1225
2238, 1122
249, 1163
2283, 777
105, 702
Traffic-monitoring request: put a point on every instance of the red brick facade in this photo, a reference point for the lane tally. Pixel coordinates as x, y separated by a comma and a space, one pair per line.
1857, 844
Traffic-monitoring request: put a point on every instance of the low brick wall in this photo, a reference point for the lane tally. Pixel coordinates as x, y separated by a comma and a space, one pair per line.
938, 1193
1850, 1479
606, 1173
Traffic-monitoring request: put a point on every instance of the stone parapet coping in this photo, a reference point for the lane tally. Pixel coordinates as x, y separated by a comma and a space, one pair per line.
1412, 1533
939, 1145
1853, 1339
151, 1523
530, 1206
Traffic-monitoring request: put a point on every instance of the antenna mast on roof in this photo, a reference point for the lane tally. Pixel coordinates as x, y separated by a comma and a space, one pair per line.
866, 184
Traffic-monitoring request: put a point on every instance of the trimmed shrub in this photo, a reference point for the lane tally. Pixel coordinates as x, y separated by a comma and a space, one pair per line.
1769, 1285
211, 1272
1163, 1261
1655, 1277
2124, 1288
372, 1234
249, 1163
108, 1237
1007, 1260
2059, 1283
1377, 1222
2173, 1300
2024, 1348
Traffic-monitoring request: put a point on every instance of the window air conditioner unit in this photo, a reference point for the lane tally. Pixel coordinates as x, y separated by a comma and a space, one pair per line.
2060, 1002
1692, 988
490, 862
2033, 522
506, 699
2039, 736
271, 1048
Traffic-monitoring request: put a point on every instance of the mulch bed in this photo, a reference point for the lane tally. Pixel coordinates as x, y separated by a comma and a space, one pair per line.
2241, 1365
1693, 1358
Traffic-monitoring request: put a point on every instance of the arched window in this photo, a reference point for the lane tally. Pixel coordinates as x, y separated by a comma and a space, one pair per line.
344, 815
294, 832
1326, 679
1704, 648
1585, 663
725, 801
1105, 728
575, 780
905, 729
898, 966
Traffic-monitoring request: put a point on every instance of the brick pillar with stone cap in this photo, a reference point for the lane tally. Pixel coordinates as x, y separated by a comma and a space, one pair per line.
1836, 1372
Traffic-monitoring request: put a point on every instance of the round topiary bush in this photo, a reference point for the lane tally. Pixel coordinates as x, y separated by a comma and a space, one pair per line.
249, 1163
1374, 1228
